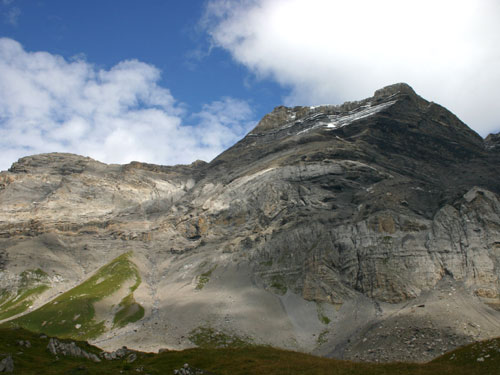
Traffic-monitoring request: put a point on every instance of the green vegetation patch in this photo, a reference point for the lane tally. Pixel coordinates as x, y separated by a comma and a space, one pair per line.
204, 278
321, 315
130, 312
32, 283
29, 277
207, 337
484, 355
322, 337
4, 296
278, 284
71, 315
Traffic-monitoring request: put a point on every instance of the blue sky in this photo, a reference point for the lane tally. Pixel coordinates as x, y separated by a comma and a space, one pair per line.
163, 33
174, 81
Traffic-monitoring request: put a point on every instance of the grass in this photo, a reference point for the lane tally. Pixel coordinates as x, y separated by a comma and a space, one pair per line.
72, 314
4, 296
248, 360
321, 315
130, 312
204, 278
32, 283
484, 355
23, 301
209, 338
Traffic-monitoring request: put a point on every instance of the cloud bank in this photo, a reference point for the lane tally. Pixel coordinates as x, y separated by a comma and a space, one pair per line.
330, 51
48, 104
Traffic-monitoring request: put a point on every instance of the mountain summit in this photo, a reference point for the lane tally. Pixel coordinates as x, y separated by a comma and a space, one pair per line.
368, 230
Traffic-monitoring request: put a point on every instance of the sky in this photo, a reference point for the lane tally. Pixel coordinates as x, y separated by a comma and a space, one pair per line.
170, 82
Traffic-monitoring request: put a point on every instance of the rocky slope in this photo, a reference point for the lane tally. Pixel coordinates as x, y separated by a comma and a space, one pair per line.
369, 230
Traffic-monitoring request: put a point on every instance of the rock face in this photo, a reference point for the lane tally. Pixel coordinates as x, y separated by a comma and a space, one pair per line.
318, 227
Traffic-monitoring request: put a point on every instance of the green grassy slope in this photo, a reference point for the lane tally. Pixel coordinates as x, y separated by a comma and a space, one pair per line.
32, 283
240, 361
72, 314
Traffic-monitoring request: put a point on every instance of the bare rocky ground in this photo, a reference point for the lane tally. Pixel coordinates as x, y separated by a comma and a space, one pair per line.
368, 231
434, 323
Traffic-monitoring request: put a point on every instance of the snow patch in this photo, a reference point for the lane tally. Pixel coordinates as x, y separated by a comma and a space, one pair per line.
318, 106
321, 119
338, 121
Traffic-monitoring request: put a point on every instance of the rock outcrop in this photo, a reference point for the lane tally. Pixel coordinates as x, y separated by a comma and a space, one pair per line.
320, 225
120, 354
57, 347
7, 364
187, 370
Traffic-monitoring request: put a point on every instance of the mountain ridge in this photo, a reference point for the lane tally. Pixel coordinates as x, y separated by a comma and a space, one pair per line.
317, 228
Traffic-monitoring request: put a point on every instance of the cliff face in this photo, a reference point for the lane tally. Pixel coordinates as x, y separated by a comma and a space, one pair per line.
320, 226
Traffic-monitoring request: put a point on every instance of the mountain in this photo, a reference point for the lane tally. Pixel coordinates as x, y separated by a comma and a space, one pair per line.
367, 231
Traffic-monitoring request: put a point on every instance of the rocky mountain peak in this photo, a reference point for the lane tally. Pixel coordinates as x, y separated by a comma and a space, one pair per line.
335, 116
393, 121
397, 88
278, 116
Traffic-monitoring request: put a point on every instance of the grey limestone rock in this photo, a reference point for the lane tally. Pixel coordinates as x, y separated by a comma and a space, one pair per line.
7, 364
187, 370
120, 353
57, 347
24, 343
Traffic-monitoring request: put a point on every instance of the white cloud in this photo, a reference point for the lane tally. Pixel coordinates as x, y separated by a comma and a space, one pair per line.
216, 118
118, 115
329, 51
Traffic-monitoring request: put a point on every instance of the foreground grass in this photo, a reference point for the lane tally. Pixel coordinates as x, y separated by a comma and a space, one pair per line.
239, 361
72, 314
